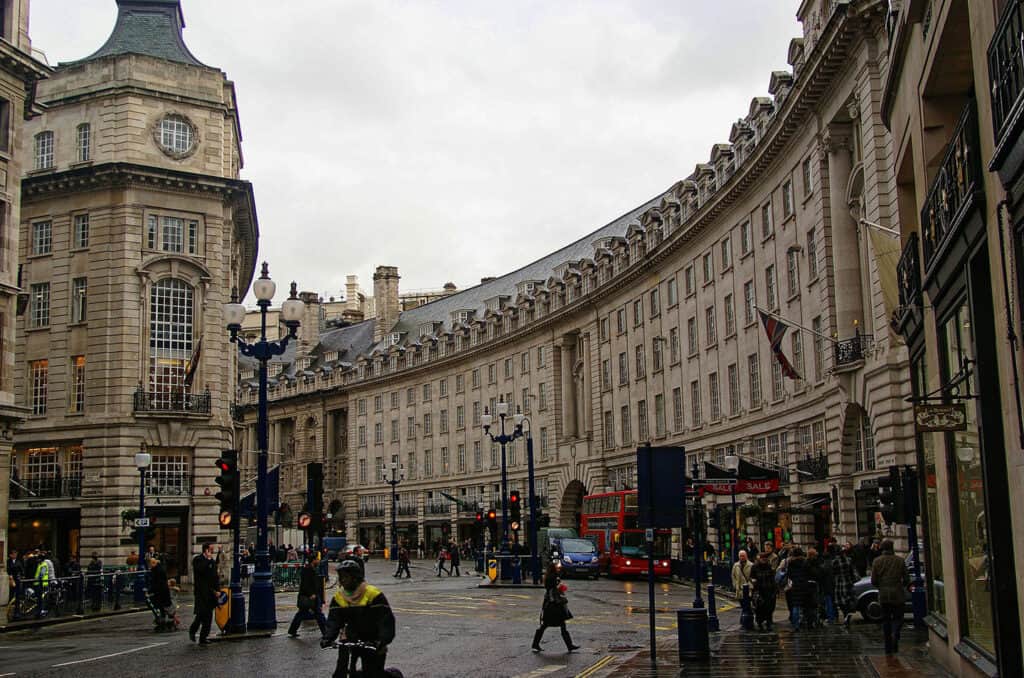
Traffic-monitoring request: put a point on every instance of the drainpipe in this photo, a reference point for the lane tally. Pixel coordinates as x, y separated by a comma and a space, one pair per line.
1011, 335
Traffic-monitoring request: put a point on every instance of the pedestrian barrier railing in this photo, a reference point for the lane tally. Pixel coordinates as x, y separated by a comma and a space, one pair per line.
287, 576
81, 594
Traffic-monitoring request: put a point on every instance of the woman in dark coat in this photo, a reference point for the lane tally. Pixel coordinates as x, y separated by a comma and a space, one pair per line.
555, 611
797, 575
160, 593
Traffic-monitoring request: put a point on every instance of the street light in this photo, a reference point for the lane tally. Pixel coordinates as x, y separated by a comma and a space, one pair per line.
698, 552
397, 475
732, 464
262, 611
142, 461
503, 439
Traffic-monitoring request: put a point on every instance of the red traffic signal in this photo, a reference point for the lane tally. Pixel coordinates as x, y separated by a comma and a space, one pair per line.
479, 517
513, 497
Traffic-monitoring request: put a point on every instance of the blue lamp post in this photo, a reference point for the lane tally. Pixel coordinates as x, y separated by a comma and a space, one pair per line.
262, 610
396, 476
142, 461
503, 439
698, 524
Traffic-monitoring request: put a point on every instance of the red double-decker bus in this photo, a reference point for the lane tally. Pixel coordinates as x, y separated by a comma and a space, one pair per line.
611, 519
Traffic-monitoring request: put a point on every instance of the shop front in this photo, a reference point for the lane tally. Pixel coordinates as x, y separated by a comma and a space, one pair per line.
33, 525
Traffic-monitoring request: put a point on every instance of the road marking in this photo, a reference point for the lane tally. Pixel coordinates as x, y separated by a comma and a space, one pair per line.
2, 675
108, 656
593, 668
542, 671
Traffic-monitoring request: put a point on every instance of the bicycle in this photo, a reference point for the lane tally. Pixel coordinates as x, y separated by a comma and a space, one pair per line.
358, 649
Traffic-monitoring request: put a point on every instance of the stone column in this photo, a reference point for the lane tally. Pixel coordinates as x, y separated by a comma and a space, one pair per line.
567, 403
329, 447
844, 250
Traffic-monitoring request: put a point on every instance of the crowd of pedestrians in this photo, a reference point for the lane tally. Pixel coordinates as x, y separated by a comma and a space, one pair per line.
818, 588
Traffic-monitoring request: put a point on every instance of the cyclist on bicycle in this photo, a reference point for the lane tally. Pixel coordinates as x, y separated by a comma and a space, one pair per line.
362, 612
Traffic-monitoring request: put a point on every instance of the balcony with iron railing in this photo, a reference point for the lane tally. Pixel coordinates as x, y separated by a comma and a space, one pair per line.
908, 277
1006, 78
850, 353
171, 402
370, 512
813, 468
52, 487
405, 509
438, 507
955, 194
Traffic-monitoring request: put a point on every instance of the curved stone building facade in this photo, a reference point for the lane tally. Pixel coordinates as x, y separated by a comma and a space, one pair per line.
647, 329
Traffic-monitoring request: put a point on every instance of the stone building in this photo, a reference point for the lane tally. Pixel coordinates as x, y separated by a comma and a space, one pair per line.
19, 73
952, 98
647, 329
135, 227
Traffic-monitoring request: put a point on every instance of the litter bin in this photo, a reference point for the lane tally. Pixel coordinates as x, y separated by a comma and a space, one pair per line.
692, 629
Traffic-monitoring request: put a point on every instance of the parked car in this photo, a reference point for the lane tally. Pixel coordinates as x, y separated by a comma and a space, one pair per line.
578, 556
354, 551
865, 594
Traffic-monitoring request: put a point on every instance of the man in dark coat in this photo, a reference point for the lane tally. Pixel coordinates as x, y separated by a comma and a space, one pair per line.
94, 582
310, 602
453, 566
762, 577
205, 584
160, 592
889, 574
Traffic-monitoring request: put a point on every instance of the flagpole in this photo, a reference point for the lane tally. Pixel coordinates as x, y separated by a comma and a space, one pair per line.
790, 322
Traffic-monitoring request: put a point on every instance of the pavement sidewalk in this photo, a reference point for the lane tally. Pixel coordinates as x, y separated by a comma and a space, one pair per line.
834, 650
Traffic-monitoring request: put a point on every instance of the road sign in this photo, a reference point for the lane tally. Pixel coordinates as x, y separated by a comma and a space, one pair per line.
142, 522
649, 534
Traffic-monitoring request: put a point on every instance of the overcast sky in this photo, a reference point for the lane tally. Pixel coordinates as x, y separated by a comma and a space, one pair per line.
458, 139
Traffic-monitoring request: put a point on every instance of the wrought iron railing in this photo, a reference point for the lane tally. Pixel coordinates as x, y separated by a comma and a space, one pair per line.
370, 512
79, 595
438, 507
813, 468
171, 401
55, 487
164, 485
1006, 65
908, 275
852, 350
406, 509
955, 187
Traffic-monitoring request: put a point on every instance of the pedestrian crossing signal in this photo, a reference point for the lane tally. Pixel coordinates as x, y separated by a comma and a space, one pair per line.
226, 519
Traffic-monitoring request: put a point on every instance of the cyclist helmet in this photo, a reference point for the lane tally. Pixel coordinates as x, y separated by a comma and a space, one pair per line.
351, 567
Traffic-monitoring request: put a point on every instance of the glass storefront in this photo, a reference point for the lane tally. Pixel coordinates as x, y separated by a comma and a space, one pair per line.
934, 524
968, 490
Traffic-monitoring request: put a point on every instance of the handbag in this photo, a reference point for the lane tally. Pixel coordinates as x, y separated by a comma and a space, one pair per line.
307, 603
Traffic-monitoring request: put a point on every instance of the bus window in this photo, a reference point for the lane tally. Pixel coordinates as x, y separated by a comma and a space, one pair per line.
631, 505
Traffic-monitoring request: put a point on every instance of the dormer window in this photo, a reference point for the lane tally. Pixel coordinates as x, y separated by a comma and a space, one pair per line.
463, 317
393, 339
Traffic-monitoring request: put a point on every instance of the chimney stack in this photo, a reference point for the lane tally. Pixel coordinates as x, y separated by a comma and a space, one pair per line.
309, 330
385, 299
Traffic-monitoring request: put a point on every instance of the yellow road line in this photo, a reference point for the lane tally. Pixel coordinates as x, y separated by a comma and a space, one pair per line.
593, 668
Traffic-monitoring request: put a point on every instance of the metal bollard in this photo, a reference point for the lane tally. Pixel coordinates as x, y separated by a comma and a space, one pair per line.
713, 624
692, 634
746, 610
81, 593
19, 592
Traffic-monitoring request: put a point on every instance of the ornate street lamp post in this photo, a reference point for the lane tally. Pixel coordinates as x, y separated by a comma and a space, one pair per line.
395, 476
142, 461
262, 611
503, 439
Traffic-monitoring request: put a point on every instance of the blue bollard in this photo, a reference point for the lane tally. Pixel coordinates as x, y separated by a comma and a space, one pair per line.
713, 624
517, 571
746, 610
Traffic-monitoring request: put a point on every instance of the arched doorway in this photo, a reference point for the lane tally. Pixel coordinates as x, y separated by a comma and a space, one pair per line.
571, 505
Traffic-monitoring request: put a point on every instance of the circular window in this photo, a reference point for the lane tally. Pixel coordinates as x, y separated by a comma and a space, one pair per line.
176, 135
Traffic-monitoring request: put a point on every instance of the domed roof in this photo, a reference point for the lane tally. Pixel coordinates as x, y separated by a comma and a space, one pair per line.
149, 27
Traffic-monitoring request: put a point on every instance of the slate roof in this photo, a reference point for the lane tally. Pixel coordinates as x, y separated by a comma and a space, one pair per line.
349, 342
473, 298
149, 27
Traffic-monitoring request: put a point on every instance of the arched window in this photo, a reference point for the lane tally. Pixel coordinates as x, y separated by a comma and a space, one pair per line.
170, 337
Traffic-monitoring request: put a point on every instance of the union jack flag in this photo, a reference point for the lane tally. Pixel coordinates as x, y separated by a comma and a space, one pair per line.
776, 329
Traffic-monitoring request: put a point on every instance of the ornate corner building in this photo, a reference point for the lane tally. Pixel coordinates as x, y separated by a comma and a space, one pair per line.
647, 329
134, 229
20, 72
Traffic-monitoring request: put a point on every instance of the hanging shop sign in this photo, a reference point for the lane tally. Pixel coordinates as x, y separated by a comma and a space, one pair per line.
932, 418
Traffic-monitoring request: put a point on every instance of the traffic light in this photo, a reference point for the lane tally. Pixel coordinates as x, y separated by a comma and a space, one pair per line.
305, 520
492, 523
479, 518
228, 480
910, 494
890, 496
515, 509
543, 520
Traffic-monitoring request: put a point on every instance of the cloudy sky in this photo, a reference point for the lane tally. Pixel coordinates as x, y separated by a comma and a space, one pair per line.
457, 139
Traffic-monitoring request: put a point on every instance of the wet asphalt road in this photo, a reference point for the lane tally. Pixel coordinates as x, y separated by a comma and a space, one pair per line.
446, 627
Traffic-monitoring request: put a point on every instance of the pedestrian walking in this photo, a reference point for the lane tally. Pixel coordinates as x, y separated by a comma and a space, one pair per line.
762, 574
554, 611
453, 564
205, 584
94, 582
795, 585
421, 550
812, 596
889, 574
442, 556
826, 585
309, 601
843, 580
741, 573
403, 562
773, 557
160, 595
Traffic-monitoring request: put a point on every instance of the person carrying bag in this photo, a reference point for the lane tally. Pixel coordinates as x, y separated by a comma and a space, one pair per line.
554, 611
